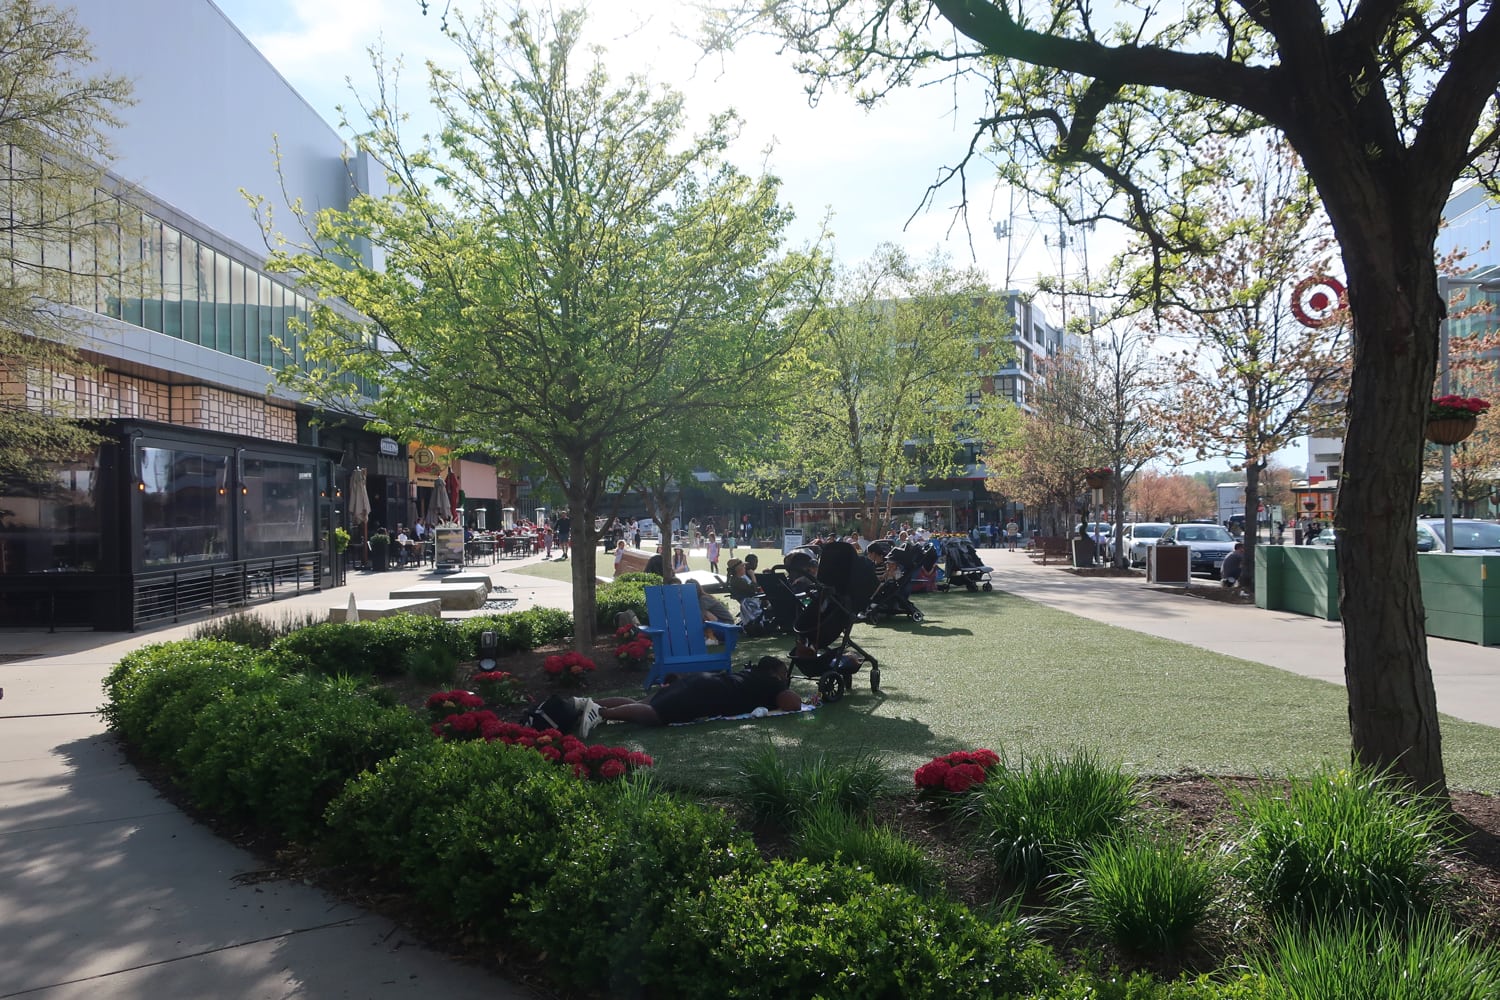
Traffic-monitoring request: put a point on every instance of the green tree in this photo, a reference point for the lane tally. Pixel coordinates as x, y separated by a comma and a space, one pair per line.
1386, 103
566, 274
1251, 376
890, 384
61, 231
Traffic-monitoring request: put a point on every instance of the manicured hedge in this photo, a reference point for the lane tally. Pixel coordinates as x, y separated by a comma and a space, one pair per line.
804, 929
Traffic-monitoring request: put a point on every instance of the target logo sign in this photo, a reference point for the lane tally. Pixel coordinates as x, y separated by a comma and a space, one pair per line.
1315, 300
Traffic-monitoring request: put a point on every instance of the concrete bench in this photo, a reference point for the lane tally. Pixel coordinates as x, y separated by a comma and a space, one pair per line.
369, 610
470, 578
454, 597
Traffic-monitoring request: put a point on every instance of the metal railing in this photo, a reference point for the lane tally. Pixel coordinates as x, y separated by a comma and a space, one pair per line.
162, 597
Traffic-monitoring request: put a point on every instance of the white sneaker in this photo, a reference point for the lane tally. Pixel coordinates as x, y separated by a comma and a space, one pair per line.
590, 716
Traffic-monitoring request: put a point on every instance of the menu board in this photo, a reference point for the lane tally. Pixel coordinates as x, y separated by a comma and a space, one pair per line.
449, 546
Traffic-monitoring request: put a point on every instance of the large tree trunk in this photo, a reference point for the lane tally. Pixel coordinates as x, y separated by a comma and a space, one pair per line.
1393, 294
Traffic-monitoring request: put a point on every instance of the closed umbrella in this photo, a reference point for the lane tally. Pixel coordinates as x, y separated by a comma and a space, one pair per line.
359, 497
452, 483
440, 512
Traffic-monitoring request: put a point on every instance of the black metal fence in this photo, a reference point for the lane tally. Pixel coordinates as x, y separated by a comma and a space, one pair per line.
171, 596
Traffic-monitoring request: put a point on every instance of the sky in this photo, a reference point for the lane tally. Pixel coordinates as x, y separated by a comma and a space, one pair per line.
866, 171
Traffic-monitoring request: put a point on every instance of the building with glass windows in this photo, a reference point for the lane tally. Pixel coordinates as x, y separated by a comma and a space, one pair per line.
213, 486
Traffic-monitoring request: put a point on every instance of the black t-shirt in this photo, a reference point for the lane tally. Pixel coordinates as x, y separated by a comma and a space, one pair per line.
702, 696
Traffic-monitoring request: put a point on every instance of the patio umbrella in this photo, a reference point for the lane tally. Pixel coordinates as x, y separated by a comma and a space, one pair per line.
452, 484
439, 510
359, 497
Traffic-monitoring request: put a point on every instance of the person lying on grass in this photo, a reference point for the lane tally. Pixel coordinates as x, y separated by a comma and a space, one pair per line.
704, 696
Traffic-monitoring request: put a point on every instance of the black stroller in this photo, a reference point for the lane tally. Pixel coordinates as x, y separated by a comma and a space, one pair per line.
893, 597
962, 565
845, 581
787, 588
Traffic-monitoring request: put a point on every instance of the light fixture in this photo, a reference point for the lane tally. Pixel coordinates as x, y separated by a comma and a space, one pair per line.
489, 648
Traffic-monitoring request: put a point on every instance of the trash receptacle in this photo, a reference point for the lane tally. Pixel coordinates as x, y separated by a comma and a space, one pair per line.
1083, 553
1168, 564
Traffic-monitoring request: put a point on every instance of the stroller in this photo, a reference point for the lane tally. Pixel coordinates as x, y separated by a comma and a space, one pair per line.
962, 565
893, 597
786, 589
845, 581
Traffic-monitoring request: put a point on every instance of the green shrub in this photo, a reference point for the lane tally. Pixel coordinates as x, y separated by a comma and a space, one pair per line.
250, 629
1343, 842
279, 754
620, 596
1146, 894
828, 833
1362, 959
329, 648
433, 667
1113, 985
800, 929
644, 579
388, 821
615, 878
154, 694
1034, 818
472, 828
778, 787
517, 631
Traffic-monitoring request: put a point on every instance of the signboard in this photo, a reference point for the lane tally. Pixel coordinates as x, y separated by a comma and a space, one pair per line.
791, 538
449, 547
389, 446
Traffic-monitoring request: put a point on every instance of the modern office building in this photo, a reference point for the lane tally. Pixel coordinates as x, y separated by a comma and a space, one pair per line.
213, 486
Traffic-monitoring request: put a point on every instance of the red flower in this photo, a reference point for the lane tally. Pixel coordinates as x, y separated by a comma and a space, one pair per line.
1456, 406
611, 769
963, 777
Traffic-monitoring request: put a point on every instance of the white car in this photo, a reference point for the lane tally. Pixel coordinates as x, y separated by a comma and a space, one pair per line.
1140, 537
1470, 536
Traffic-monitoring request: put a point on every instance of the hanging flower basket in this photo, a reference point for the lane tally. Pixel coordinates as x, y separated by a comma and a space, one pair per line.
1450, 430
1451, 418
1097, 479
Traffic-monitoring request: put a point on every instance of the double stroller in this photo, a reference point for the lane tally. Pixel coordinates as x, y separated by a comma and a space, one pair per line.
961, 564
841, 582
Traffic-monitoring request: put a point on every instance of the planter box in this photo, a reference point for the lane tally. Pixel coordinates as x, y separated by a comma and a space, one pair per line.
1461, 594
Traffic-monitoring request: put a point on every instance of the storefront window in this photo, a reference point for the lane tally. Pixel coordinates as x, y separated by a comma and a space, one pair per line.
278, 506
49, 521
184, 506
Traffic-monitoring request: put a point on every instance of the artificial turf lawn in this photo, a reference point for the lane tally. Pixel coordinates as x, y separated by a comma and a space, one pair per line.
994, 670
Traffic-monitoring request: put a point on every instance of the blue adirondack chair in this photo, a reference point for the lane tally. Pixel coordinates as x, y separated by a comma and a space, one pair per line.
678, 645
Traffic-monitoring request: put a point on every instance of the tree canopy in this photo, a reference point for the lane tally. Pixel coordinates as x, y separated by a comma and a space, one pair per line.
60, 235
890, 383
1386, 103
567, 274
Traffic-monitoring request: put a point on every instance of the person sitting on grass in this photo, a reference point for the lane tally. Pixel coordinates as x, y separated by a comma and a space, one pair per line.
766, 684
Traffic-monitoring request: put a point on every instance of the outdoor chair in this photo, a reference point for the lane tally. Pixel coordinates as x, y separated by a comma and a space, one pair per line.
676, 630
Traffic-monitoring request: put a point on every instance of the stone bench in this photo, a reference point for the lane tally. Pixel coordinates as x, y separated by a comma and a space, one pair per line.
454, 596
470, 578
369, 610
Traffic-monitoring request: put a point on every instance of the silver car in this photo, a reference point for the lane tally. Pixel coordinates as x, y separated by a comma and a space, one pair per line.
1470, 536
1140, 537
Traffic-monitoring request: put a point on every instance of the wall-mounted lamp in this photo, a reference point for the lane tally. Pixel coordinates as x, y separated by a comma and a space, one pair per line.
141, 486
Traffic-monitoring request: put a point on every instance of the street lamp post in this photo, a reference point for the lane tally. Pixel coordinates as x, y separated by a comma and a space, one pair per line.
1486, 279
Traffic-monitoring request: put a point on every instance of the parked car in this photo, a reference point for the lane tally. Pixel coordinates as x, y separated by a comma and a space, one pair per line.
1208, 545
1140, 537
1470, 536
1324, 537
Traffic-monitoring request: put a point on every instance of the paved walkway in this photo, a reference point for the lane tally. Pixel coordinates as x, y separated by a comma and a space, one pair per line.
107, 890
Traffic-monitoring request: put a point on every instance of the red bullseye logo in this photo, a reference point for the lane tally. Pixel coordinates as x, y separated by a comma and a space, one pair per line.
1316, 300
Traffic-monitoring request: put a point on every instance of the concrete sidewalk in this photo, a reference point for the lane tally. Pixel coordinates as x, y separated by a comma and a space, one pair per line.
1466, 676
108, 890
